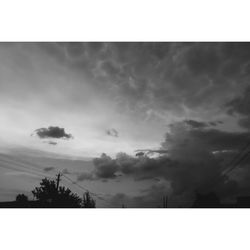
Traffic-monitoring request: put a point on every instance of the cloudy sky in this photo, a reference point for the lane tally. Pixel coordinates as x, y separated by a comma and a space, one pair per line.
131, 122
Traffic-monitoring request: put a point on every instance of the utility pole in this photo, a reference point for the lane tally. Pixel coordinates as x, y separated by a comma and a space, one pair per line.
58, 179
165, 201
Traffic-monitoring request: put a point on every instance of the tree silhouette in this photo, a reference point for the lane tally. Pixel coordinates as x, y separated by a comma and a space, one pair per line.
50, 196
21, 198
88, 201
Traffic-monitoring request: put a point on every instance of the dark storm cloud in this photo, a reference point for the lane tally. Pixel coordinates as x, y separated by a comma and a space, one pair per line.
105, 167
52, 132
194, 160
112, 132
203, 59
241, 105
161, 76
192, 164
208, 139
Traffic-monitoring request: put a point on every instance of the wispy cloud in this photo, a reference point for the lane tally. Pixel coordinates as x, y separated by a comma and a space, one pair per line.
112, 132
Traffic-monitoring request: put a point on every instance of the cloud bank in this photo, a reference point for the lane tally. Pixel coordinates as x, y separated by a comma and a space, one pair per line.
193, 159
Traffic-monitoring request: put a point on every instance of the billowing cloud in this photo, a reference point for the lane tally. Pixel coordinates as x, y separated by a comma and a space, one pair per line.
112, 132
193, 160
105, 167
183, 137
52, 132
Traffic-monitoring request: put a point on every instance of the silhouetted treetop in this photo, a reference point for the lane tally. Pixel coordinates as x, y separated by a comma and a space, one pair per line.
88, 201
48, 194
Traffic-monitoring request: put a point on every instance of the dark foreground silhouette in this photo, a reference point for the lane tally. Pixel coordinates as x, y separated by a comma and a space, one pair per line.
50, 195
47, 197
211, 200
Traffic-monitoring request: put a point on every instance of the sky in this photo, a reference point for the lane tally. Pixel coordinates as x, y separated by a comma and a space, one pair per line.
87, 109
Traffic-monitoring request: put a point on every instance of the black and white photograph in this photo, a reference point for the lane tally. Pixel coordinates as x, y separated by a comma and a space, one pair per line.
125, 125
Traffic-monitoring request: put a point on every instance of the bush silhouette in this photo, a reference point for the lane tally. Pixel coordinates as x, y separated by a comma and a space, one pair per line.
21, 198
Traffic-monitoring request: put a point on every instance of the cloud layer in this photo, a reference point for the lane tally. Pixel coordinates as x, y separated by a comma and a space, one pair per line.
153, 77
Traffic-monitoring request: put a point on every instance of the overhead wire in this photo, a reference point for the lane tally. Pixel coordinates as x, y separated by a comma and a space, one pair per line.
22, 170
28, 169
237, 159
85, 189
245, 156
35, 171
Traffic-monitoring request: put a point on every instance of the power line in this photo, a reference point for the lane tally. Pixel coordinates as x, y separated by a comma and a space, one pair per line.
239, 155
21, 162
22, 170
30, 170
35, 171
235, 161
85, 189
238, 163
74, 183
21, 167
